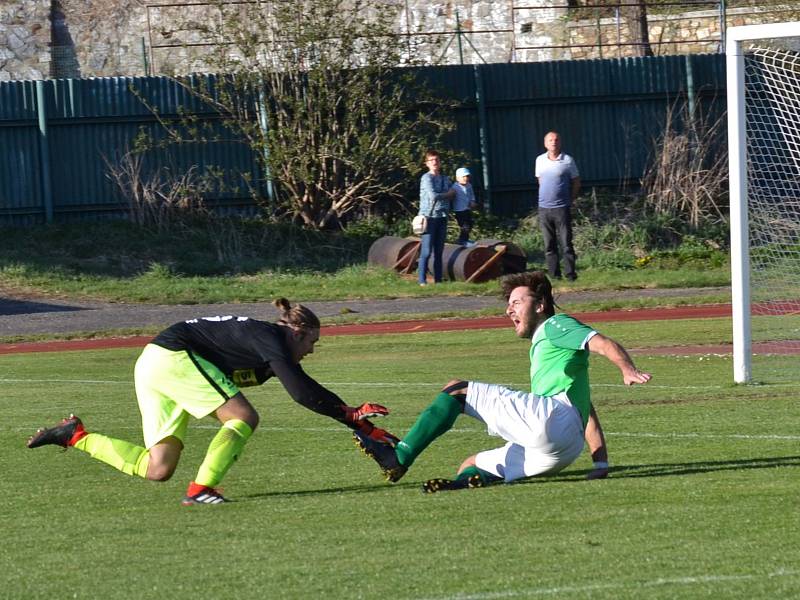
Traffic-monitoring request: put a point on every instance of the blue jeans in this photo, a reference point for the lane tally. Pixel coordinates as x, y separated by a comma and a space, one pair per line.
433, 242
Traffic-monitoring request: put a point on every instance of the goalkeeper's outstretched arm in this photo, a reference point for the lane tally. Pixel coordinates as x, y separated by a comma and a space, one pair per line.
309, 393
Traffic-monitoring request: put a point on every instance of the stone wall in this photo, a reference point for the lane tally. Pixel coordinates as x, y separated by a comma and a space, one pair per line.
96, 38
24, 40
670, 33
71, 38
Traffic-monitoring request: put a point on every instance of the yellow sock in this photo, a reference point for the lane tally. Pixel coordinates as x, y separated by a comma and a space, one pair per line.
223, 451
124, 456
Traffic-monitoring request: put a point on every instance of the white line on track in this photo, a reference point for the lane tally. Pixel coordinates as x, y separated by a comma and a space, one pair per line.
653, 583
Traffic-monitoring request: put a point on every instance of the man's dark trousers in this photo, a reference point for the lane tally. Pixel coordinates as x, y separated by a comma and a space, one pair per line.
556, 224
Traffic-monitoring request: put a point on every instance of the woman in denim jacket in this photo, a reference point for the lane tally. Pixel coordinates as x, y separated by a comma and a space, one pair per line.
434, 203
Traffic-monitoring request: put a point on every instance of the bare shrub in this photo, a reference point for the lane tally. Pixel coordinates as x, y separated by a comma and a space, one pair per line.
160, 198
687, 174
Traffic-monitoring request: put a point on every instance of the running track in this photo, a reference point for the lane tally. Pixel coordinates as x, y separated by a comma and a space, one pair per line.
644, 314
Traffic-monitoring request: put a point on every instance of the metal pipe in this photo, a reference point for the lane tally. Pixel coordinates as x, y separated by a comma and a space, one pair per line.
44, 152
144, 59
690, 92
460, 47
263, 123
483, 136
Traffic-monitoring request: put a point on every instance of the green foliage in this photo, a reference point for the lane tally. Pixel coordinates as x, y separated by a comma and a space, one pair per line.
315, 90
617, 233
371, 228
220, 259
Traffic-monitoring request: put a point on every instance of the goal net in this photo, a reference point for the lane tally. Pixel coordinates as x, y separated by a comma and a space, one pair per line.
763, 66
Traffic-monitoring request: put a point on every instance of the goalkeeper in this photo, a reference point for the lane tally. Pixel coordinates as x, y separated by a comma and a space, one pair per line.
545, 429
195, 368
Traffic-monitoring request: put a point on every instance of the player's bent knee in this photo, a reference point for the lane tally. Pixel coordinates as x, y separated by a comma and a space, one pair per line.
253, 419
160, 471
163, 459
238, 407
456, 387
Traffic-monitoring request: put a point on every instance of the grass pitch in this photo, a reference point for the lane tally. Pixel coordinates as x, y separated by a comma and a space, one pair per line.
701, 502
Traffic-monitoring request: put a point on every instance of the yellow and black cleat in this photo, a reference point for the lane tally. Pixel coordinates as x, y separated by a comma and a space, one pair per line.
446, 485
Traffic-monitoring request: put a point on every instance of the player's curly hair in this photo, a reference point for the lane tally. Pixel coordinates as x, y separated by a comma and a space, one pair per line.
297, 316
537, 282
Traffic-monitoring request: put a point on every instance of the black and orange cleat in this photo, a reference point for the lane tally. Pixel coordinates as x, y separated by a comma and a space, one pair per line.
202, 494
65, 434
383, 454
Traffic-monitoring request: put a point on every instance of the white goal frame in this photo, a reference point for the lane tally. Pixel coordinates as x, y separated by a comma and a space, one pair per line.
740, 243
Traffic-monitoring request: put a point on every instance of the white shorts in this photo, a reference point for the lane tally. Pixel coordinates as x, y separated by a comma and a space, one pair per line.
544, 434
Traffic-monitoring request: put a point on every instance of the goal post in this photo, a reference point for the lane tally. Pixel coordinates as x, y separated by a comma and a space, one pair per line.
763, 93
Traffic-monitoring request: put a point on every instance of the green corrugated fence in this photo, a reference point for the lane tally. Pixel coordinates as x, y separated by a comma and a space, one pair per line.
55, 153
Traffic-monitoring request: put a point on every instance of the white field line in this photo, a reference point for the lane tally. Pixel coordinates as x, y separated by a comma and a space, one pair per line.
652, 583
477, 429
705, 436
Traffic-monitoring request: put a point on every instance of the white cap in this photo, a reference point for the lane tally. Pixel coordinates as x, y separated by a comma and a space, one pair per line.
463, 172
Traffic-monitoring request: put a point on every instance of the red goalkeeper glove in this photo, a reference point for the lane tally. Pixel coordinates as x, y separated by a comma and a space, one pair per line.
377, 434
367, 410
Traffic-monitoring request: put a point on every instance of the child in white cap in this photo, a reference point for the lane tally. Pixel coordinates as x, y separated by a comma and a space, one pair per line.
463, 202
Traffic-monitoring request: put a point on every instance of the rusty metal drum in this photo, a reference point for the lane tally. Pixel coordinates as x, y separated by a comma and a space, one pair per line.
394, 253
460, 263
514, 259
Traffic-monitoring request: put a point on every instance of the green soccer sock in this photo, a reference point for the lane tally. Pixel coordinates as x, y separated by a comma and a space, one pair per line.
431, 423
124, 456
223, 451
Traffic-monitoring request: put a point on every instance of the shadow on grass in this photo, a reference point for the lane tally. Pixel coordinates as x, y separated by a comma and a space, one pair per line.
617, 472
377, 487
668, 469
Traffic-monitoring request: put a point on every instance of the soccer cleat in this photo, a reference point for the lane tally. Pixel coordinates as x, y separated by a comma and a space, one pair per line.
383, 454
445, 485
201, 494
66, 433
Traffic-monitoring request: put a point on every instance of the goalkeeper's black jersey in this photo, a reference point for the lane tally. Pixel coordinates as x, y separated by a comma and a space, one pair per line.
250, 352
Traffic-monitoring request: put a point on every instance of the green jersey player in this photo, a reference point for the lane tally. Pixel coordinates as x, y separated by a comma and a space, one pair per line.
544, 429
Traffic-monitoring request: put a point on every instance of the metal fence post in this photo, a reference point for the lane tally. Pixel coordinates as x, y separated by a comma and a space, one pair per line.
263, 123
44, 152
480, 100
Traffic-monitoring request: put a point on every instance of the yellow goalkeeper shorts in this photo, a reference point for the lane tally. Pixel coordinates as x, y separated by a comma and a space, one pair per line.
172, 385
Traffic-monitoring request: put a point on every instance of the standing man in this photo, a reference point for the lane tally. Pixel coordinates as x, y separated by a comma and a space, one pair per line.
559, 184
545, 429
